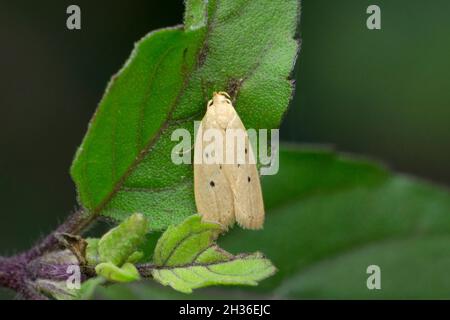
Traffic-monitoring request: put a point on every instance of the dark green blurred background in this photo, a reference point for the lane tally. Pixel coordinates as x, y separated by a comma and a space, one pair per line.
382, 93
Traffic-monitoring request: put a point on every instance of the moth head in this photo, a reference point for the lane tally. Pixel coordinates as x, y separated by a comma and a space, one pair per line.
219, 98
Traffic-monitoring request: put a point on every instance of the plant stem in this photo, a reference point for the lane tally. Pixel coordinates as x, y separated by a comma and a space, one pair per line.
11, 271
145, 269
74, 225
14, 273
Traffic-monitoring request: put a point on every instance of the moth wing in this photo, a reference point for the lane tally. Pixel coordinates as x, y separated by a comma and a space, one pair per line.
213, 194
245, 185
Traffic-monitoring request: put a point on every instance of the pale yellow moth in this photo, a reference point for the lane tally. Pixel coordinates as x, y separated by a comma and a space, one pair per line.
226, 191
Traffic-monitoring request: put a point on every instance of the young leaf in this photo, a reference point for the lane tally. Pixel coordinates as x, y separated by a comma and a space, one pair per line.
124, 162
121, 242
179, 245
111, 272
92, 255
186, 258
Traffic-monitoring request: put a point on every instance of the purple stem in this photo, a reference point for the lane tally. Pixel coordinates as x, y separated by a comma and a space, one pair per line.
74, 224
145, 269
14, 273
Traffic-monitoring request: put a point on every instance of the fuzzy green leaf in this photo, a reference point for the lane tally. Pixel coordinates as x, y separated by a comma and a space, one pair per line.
121, 242
111, 272
243, 270
186, 258
180, 244
124, 162
92, 255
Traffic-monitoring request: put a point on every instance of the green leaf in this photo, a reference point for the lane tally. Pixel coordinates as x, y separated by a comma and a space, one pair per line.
111, 272
318, 171
325, 224
135, 257
186, 258
121, 242
179, 245
244, 270
124, 162
89, 287
411, 268
92, 255
342, 214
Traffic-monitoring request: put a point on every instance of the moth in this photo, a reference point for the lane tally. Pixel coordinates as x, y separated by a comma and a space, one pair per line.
226, 191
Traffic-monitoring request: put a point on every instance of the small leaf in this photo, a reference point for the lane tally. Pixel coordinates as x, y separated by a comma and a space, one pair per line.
111, 272
244, 270
92, 256
121, 242
135, 257
180, 244
186, 258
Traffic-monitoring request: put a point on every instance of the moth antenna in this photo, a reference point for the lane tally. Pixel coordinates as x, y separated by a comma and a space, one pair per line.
224, 94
